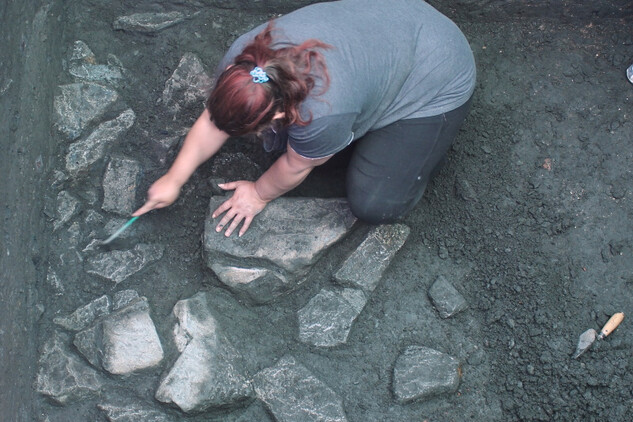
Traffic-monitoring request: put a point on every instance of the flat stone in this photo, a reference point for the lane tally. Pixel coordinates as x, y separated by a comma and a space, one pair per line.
446, 299
207, 375
82, 64
123, 298
83, 154
54, 281
130, 341
85, 315
188, 85
67, 207
96, 73
293, 394
119, 265
82, 53
133, 412
257, 285
287, 238
421, 372
365, 266
123, 342
327, 318
147, 22
119, 185
62, 376
80, 104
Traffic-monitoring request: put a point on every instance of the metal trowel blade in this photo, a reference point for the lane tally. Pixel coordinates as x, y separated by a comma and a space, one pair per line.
584, 342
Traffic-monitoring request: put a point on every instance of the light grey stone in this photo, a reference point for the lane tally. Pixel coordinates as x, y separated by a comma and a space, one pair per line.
85, 315
365, 266
119, 185
82, 53
258, 285
119, 265
62, 376
148, 22
328, 317
54, 281
130, 341
83, 154
133, 412
122, 342
82, 64
421, 372
287, 238
446, 299
87, 343
96, 73
208, 374
79, 104
188, 85
293, 394
67, 207
123, 298
355, 297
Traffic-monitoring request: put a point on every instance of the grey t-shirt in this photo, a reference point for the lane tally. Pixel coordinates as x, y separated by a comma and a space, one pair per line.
391, 60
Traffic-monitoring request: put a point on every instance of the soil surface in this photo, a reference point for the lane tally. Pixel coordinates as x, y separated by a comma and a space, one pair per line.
531, 219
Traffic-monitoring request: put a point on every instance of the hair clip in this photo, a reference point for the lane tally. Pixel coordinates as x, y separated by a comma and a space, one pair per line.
259, 75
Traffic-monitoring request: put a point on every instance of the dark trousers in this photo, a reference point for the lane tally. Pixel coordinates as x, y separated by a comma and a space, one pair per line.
390, 167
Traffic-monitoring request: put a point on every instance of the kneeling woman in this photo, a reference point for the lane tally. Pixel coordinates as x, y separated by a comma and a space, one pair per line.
393, 77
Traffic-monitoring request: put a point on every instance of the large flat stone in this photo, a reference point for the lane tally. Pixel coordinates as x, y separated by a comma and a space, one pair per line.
119, 265
83, 154
62, 376
293, 394
287, 238
208, 373
80, 104
365, 266
421, 372
122, 342
257, 285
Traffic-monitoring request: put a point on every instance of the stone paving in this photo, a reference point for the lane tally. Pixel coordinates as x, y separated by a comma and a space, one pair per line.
115, 334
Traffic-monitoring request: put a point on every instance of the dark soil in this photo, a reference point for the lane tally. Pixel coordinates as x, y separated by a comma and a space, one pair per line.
531, 219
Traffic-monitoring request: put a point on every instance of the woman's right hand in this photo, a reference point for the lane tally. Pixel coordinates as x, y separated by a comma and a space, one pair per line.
162, 193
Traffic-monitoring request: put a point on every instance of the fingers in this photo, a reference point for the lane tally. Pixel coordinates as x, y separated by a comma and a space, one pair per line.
228, 186
225, 206
245, 226
148, 206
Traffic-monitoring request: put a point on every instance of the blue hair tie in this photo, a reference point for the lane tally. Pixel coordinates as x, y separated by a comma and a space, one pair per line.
259, 75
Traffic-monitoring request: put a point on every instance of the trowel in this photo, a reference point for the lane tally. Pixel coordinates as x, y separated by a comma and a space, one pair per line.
589, 337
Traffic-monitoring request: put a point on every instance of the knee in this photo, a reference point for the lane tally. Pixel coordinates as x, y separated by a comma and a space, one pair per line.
373, 211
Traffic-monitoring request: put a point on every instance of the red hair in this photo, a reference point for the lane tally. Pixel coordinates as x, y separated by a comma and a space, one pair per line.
239, 106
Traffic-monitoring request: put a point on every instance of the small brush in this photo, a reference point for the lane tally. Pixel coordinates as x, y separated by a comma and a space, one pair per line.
119, 231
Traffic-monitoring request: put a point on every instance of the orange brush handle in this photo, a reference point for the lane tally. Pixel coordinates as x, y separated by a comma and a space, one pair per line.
611, 324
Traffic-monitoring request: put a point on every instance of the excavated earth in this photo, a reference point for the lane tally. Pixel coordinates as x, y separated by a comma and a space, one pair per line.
530, 219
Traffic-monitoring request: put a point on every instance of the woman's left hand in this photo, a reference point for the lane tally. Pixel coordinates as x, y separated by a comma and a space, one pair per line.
242, 206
